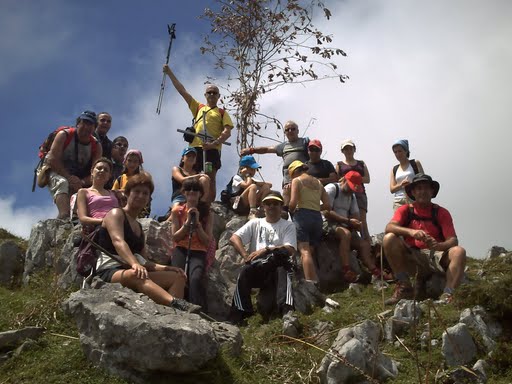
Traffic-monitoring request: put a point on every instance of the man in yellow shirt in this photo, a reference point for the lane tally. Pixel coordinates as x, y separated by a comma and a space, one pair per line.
218, 127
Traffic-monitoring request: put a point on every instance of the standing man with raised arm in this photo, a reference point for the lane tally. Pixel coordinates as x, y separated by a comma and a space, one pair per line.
218, 126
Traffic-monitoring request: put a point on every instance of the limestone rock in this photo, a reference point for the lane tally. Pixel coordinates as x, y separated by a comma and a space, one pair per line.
130, 335
495, 251
458, 346
358, 351
159, 242
406, 314
11, 263
479, 321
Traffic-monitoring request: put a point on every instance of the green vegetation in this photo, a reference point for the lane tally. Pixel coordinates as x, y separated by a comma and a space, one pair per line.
267, 356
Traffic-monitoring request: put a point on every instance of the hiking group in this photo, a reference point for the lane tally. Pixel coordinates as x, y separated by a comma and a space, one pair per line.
104, 185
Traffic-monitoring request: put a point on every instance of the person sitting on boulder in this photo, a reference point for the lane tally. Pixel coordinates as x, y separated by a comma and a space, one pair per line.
343, 222
429, 244
122, 235
272, 242
192, 234
95, 202
247, 189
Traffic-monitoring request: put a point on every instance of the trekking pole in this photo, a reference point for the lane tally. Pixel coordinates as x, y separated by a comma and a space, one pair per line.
205, 137
172, 36
193, 220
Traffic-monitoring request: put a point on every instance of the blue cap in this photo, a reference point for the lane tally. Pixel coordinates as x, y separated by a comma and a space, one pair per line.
248, 161
404, 143
89, 116
188, 150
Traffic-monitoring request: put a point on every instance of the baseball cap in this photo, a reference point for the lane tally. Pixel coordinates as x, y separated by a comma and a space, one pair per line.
273, 195
296, 165
188, 150
315, 143
89, 116
249, 161
354, 181
347, 142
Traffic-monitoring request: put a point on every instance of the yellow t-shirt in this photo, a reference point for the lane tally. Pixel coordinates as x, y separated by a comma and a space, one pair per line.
215, 121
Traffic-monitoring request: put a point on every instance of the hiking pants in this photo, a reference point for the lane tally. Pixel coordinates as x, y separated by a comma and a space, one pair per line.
263, 275
196, 292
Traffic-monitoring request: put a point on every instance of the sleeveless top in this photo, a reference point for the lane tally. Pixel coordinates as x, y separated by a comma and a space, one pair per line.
400, 176
344, 168
98, 205
77, 157
309, 198
176, 186
196, 244
136, 243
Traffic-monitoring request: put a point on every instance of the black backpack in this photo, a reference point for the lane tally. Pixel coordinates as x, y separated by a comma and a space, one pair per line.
227, 194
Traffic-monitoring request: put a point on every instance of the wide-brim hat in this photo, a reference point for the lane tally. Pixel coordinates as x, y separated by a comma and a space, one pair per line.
420, 178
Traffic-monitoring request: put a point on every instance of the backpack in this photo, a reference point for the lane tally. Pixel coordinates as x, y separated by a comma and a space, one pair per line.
413, 216
40, 171
87, 254
413, 165
227, 194
189, 134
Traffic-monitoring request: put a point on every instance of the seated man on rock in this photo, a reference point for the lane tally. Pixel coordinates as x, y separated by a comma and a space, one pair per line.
420, 240
268, 262
71, 156
343, 222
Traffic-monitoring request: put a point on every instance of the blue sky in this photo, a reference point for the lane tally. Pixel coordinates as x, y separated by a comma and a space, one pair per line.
437, 73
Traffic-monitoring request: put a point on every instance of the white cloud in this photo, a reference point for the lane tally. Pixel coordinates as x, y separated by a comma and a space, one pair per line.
19, 221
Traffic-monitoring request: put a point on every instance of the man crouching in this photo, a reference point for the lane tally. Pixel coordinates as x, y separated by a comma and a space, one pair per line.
268, 266
429, 243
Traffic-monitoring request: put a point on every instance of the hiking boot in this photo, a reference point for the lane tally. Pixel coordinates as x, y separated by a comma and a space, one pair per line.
185, 306
350, 276
446, 298
378, 273
403, 290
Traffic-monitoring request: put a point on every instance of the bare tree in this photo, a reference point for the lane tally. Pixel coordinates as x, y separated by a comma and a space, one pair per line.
268, 44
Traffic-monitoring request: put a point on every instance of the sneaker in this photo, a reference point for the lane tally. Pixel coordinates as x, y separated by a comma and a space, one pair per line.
403, 290
185, 306
446, 298
253, 214
350, 276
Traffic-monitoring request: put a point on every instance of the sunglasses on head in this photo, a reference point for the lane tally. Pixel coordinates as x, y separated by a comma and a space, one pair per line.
212, 93
105, 120
290, 129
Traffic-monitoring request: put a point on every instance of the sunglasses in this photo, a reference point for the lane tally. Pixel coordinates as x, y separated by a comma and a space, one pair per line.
192, 189
105, 120
290, 129
120, 145
212, 93
314, 149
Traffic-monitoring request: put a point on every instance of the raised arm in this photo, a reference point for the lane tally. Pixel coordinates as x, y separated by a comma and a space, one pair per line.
179, 87
258, 150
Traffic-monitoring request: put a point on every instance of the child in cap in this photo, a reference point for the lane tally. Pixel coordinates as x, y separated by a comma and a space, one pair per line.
248, 190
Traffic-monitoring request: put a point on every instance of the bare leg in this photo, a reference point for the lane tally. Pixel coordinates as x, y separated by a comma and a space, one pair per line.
308, 264
262, 192
395, 252
213, 187
366, 234
456, 260
62, 203
344, 235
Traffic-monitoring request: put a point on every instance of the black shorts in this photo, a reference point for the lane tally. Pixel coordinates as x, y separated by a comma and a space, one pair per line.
212, 155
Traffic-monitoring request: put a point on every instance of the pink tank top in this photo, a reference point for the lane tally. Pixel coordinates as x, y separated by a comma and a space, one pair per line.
99, 205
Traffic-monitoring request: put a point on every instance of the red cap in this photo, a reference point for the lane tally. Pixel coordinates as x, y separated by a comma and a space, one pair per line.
354, 181
315, 143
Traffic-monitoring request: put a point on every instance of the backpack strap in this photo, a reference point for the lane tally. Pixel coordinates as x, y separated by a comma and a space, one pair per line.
433, 218
395, 169
414, 166
337, 191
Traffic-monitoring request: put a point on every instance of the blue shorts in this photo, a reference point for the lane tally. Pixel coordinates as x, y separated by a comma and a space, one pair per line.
309, 226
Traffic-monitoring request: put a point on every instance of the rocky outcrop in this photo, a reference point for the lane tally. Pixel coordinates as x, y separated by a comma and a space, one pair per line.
130, 335
355, 353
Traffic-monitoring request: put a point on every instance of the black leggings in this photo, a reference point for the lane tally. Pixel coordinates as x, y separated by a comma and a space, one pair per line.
196, 292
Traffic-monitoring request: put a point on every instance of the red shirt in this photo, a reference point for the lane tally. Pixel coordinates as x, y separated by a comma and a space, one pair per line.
443, 218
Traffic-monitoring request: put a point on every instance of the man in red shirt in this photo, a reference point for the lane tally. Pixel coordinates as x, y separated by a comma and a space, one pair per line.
420, 240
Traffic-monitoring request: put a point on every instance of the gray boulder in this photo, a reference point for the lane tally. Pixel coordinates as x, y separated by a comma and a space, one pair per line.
18, 336
495, 251
458, 346
131, 336
11, 263
355, 354
159, 242
480, 322
406, 314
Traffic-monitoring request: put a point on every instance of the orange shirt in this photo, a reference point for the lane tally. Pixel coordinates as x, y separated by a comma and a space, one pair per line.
195, 244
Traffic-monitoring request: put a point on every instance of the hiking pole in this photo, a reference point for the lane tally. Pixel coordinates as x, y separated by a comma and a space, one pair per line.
192, 225
205, 137
172, 36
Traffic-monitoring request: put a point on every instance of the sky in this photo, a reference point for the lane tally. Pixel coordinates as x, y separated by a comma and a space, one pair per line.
436, 73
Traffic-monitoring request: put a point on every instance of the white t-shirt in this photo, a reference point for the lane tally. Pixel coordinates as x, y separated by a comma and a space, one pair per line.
345, 204
237, 179
259, 233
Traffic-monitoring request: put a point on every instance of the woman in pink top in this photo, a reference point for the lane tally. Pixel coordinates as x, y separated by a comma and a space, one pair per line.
95, 202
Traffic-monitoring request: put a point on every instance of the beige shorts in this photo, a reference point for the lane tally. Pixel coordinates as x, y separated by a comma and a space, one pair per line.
424, 262
57, 184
